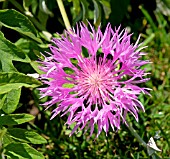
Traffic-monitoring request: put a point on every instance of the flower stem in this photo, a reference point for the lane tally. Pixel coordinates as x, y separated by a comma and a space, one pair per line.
134, 133
64, 15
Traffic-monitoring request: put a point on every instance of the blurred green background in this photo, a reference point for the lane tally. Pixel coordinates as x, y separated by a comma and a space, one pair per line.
151, 19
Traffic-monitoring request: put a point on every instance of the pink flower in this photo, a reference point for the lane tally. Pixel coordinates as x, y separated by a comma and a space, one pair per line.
92, 77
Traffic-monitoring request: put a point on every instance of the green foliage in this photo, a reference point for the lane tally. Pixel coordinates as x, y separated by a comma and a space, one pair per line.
21, 151
8, 53
25, 136
15, 119
14, 141
26, 31
17, 21
14, 80
11, 100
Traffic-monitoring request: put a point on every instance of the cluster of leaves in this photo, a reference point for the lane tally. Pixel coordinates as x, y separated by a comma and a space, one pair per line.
14, 141
26, 29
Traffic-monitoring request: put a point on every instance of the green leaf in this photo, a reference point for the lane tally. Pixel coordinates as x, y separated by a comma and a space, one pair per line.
76, 8
2, 100
26, 136
106, 8
31, 48
22, 151
8, 53
34, 6
11, 100
35, 65
97, 13
3, 131
15, 119
43, 17
44, 8
15, 20
15, 80
7, 140
27, 4
85, 6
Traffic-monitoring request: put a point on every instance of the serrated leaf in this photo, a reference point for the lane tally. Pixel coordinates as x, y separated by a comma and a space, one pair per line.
22, 151
15, 80
8, 53
26, 136
13, 19
11, 100
15, 119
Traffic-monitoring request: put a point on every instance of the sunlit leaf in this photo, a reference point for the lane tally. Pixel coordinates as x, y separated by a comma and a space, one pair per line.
15, 20
9, 81
8, 53
2, 100
11, 100
7, 140
15, 119
22, 151
26, 136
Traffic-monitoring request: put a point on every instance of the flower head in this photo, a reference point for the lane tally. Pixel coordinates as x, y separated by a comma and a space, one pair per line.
92, 77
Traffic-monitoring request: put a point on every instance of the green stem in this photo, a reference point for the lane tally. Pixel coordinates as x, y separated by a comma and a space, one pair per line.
134, 133
64, 15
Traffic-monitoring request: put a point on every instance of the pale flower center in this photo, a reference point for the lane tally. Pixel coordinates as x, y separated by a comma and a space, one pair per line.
94, 81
